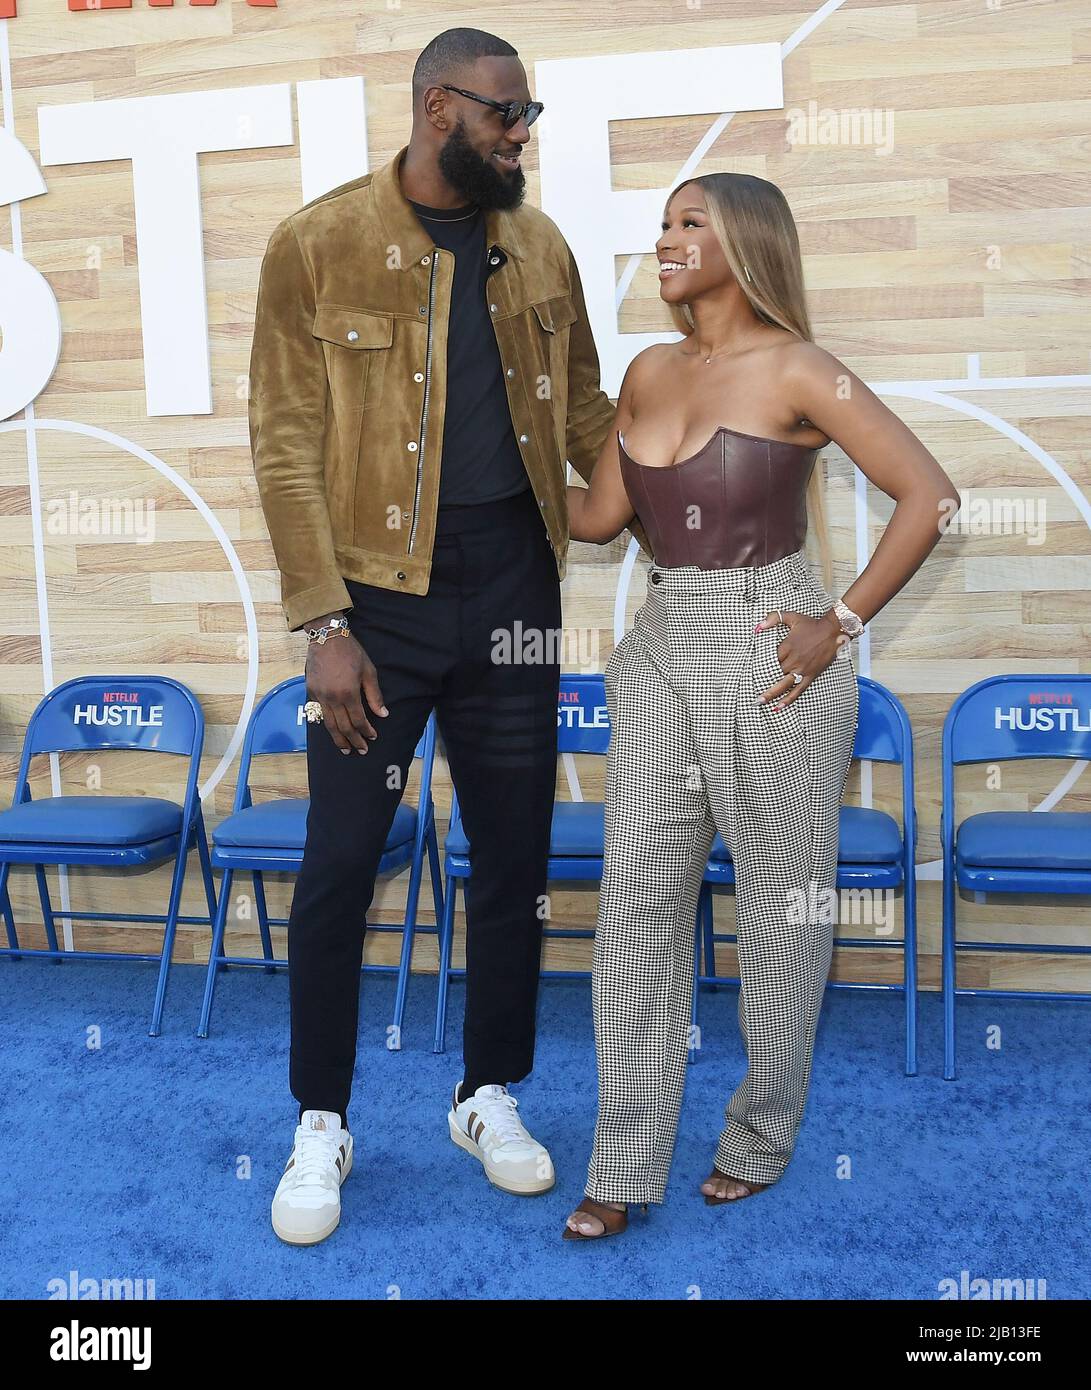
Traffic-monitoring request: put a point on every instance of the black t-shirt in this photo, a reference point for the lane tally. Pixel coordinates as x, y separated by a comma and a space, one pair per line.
481, 458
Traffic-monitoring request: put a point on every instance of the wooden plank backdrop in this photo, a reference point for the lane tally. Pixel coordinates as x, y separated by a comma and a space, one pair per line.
962, 251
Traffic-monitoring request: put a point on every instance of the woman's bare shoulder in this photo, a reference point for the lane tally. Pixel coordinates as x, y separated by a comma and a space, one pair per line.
649, 365
638, 374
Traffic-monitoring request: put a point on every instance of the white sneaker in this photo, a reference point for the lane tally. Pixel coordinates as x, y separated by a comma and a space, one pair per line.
487, 1126
307, 1202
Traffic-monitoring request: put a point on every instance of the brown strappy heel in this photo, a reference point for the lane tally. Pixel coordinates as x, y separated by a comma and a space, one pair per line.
751, 1189
613, 1221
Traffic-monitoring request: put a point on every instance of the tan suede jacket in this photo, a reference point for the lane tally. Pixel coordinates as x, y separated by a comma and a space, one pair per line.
348, 385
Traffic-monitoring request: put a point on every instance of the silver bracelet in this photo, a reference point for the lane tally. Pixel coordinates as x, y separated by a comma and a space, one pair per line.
334, 627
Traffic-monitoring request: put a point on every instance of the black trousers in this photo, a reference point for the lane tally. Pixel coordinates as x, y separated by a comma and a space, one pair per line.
464, 649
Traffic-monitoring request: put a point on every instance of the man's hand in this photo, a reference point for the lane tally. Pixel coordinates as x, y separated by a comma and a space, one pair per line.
337, 670
811, 644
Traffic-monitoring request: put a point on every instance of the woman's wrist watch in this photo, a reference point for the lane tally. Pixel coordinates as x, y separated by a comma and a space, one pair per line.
850, 621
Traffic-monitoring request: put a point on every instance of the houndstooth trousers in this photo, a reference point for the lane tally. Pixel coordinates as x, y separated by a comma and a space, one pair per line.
691, 752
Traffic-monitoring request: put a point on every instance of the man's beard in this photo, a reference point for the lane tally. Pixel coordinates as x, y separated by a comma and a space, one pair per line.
476, 178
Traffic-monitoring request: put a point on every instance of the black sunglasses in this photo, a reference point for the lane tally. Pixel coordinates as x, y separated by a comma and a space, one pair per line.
511, 110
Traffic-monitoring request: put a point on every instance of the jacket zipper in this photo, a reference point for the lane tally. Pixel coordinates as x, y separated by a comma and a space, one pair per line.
424, 404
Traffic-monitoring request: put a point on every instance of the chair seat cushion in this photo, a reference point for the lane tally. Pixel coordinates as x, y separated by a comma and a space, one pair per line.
867, 836
576, 834
91, 820
1026, 840
282, 824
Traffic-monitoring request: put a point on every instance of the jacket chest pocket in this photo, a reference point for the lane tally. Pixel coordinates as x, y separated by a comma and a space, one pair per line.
554, 314
549, 324
356, 344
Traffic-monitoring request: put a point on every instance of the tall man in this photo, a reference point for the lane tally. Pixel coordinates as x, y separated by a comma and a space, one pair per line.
422, 366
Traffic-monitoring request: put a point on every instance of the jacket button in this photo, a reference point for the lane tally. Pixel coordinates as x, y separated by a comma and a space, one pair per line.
522, 439
423, 309
511, 371
401, 574
353, 335
418, 376
655, 577
412, 446
405, 516
494, 260
492, 308
424, 260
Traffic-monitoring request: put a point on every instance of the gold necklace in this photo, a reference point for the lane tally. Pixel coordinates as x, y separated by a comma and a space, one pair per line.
429, 218
713, 355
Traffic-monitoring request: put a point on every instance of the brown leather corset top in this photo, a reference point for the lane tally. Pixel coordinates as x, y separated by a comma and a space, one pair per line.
739, 501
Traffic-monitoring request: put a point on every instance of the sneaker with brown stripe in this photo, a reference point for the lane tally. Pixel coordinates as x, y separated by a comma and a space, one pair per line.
486, 1125
307, 1203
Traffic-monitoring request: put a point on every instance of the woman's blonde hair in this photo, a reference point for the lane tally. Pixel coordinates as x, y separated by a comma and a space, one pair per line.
755, 227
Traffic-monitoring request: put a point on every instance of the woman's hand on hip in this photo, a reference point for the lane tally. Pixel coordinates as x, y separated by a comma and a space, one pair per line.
810, 646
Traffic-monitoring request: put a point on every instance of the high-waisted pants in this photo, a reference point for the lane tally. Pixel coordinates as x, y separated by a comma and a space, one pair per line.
691, 752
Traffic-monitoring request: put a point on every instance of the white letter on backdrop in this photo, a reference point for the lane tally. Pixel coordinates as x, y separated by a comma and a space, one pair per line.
163, 136
582, 96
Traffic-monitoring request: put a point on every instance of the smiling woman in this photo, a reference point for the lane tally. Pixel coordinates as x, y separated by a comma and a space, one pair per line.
738, 672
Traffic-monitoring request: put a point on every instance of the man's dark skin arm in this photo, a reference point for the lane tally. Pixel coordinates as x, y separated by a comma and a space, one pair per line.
337, 670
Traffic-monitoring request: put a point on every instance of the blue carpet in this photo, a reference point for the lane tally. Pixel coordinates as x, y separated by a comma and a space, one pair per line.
130, 1159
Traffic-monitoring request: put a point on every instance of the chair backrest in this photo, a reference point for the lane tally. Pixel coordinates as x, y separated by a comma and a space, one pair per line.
149, 712
883, 733
1003, 718
1007, 717
278, 725
583, 721
88, 713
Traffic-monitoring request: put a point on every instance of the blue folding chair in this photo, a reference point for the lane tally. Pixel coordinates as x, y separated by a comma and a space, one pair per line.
88, 714
576, 838
272, 835
1002, 719
873, 855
